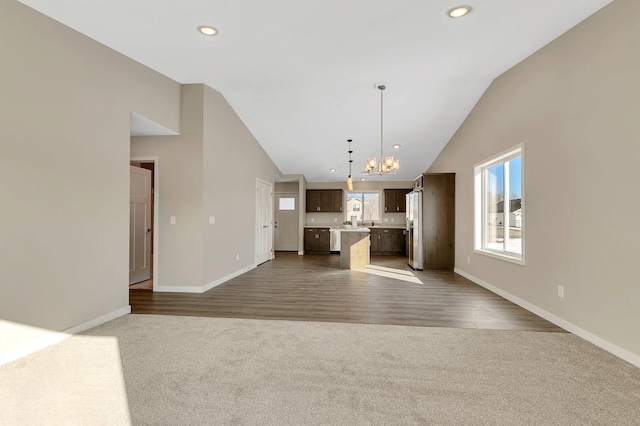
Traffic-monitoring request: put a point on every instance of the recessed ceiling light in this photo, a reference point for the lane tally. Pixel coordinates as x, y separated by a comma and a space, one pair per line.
397, 146
363, 179
459, 11
332, 170
206, 30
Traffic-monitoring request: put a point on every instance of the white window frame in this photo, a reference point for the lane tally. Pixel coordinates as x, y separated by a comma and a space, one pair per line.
379, 193
480, 207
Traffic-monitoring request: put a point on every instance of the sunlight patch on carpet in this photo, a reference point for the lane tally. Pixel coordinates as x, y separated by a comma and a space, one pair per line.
79, 381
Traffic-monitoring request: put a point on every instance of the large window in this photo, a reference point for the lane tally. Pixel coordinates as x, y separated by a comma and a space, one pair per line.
499, 206
364, 205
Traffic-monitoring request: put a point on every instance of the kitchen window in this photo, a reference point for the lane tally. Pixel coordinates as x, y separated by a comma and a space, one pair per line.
364, 205
499, 206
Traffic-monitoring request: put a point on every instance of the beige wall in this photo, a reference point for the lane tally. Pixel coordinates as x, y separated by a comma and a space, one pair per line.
209, 170
575, 106
179, 192
64, 182
287, 187
232, 161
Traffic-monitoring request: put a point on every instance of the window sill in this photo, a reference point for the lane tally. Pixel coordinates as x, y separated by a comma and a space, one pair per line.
501, 256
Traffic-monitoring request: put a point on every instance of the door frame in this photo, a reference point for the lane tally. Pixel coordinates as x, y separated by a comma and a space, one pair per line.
271, 233
156, 212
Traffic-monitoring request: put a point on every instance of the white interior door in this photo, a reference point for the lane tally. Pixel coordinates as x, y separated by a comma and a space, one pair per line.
264, 221
286, 227
139, 225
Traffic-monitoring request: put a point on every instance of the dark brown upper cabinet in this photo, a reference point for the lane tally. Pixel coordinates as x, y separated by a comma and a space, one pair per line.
395, 201
324, 200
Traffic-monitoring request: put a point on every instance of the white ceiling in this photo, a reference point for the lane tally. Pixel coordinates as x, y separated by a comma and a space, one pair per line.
301, 73
142, 126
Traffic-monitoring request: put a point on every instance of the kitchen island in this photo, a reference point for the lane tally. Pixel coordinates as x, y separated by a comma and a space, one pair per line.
354, 248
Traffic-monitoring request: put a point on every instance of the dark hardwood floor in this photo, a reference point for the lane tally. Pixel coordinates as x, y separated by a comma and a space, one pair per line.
314, 288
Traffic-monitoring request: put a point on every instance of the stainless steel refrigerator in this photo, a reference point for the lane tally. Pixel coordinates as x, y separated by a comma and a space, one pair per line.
414, 230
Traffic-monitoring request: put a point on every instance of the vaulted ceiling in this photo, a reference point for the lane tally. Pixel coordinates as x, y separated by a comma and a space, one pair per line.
301, 74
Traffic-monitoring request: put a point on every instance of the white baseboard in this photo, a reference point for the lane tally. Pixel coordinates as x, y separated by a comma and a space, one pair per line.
56, 337
227, 278
300, 252
622, 353
178, 289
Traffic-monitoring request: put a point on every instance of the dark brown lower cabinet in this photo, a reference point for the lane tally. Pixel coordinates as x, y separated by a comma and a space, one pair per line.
316, 240
400, 241
387, 241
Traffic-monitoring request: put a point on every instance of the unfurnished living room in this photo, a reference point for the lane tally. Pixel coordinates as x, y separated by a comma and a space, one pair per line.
319, 212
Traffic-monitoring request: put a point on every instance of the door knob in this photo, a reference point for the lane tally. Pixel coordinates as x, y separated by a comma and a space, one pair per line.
148, 230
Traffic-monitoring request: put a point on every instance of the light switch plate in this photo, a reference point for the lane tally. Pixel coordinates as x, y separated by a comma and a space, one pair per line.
173, 220
212, 220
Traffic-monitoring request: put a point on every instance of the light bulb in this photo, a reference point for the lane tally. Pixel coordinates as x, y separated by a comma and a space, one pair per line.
388, 161
459, 12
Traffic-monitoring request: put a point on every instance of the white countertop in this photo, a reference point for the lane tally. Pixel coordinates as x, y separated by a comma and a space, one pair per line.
361, 229
342, 227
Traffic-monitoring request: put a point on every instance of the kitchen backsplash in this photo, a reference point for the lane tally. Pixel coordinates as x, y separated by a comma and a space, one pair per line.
390, 219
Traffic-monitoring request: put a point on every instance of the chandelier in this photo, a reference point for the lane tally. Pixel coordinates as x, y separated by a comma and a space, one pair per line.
387, 165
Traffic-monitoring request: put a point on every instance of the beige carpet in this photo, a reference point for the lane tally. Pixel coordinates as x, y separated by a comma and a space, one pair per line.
210, 371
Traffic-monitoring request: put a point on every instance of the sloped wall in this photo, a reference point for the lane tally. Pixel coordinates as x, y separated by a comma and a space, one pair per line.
64, 182
574, 104
210, 170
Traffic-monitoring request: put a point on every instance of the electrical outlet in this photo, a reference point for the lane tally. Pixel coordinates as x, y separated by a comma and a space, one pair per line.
237, 257
468, 259
312, 220
561, 291
172, 220
335, 219
212, 220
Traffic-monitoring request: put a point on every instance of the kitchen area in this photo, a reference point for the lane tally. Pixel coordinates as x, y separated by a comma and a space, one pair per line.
424, 234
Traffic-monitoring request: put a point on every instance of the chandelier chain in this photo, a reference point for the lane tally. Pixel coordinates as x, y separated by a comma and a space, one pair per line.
386, 165
381, 87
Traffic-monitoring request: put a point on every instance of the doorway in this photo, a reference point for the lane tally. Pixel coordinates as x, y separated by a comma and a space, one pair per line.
145, 249
286, 229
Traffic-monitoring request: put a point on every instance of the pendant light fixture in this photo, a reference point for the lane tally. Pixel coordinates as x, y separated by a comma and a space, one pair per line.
349, 180
387, 165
